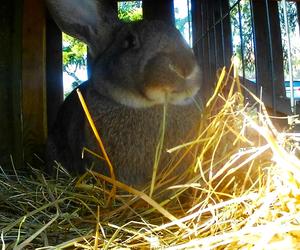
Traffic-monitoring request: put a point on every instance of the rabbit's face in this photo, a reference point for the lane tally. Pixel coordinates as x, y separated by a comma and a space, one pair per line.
138, 65
146, 64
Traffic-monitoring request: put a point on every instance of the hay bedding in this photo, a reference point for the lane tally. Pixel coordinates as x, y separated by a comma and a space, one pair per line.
243, 192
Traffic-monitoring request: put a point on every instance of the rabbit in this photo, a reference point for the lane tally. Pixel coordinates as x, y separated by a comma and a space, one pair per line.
137, 68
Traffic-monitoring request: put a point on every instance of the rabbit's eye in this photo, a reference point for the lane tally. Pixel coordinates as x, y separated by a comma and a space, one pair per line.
130, 41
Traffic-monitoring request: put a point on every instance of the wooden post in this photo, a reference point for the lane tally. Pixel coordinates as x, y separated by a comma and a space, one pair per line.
6, 136
53, 70
10, 81
219, 46
34, 87
226, 33
113, 4
277, 50
204, 41
197, 29
269, 55
159, 10
18, 152
211, 41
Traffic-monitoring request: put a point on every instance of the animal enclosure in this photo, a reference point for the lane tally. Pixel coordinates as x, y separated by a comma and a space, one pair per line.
31, 71
239, 186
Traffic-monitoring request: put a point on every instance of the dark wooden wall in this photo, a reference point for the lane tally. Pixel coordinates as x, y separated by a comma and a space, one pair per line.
22, 81
6, 26
54, 70
34, 79
10, 81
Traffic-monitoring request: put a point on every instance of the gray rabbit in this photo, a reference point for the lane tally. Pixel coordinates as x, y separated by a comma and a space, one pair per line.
137, 68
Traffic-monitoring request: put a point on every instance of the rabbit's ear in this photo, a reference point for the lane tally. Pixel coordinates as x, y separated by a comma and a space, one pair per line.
91, 21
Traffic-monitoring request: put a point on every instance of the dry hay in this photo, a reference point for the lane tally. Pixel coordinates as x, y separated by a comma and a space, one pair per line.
243, 193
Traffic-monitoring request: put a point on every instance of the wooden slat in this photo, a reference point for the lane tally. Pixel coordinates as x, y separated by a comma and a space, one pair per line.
269, 72
53, 70
211, 41
113, 4
220, 57
227, 37
6, 133
18, 152
197, 29
34, 88
208, 48
213, 44
277, 50
10, 82
159, 10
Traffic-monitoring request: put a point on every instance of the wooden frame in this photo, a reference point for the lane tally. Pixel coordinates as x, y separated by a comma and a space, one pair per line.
26, 64
159, 10
54, 70
268, 47
34, 79
10, 83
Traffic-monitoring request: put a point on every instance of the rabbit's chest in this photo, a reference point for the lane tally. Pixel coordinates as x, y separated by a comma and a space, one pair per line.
131, 136
137, 130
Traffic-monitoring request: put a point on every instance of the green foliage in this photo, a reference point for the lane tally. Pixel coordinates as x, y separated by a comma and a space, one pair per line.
75, 51
74, 57
183, 19
232, 2
292, 21
130, 11
244, 50
181, 22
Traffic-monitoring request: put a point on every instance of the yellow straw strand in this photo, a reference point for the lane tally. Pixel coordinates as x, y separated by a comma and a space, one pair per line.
101, 145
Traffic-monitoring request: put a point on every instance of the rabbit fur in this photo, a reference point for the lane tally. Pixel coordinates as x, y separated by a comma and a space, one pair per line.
137, 68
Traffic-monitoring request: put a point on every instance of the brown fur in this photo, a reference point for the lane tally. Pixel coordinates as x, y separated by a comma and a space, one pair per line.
137, 68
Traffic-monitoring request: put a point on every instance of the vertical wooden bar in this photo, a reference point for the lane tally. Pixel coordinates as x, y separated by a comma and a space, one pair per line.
5, 103
226, 32
11, 142
261, 41
277, 50
34, 87
53, 70
220, 62
269, 67
207, 86
198, 40
159, 10
113, 4
208, 40
197, 29
211, 41
18, 152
